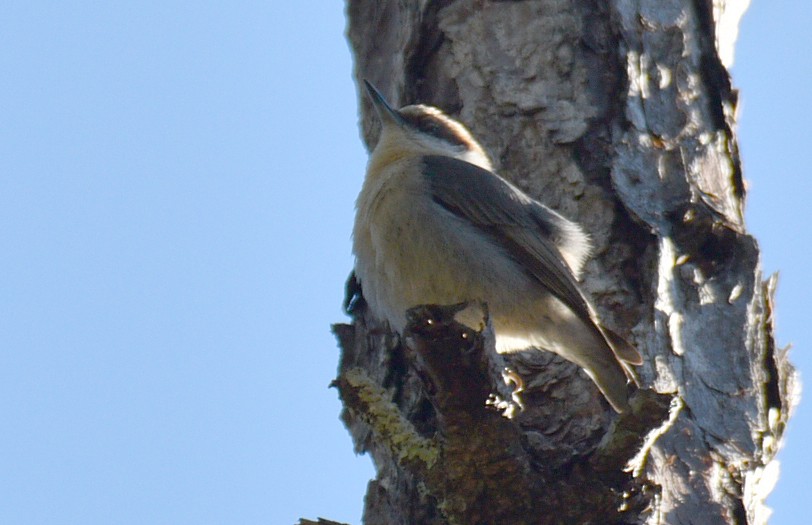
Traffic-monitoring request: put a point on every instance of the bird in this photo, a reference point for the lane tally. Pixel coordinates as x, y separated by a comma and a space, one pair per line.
435, 224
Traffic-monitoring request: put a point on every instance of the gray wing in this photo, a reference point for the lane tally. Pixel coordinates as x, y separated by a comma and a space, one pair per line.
523, 227
532, 234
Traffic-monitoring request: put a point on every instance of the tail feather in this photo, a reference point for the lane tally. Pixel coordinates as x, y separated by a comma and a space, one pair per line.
622, 348
608, 373
612, 383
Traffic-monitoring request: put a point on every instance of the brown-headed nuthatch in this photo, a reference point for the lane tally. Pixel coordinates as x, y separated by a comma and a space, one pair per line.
435, 225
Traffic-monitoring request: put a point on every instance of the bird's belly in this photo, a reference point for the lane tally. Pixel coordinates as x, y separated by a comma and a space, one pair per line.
429, 256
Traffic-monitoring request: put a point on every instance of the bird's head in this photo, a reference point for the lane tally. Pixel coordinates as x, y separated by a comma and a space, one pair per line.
424, 130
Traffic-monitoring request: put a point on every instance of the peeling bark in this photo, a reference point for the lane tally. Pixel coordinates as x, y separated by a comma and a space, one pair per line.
620, 115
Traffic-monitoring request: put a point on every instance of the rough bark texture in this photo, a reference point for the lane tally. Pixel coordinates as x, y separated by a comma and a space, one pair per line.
620, 115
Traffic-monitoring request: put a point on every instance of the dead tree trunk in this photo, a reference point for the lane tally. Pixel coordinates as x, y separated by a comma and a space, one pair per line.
620, 115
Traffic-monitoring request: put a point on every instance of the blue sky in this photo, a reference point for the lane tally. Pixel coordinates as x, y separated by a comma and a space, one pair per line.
177, 183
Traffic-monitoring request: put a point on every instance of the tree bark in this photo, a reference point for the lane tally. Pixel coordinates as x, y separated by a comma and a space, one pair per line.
620, 115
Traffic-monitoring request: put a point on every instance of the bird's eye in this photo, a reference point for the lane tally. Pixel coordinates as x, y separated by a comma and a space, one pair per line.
429, 126
434, 128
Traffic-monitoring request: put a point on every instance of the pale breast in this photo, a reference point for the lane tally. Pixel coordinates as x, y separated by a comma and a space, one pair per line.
411, 251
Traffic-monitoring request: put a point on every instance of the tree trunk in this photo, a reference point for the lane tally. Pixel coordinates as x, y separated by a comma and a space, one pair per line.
620, 115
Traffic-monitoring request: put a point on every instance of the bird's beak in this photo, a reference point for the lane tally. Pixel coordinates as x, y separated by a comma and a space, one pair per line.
386, 113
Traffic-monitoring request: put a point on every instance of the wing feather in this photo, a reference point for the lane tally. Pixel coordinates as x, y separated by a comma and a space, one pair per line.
538, 239
523, 227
